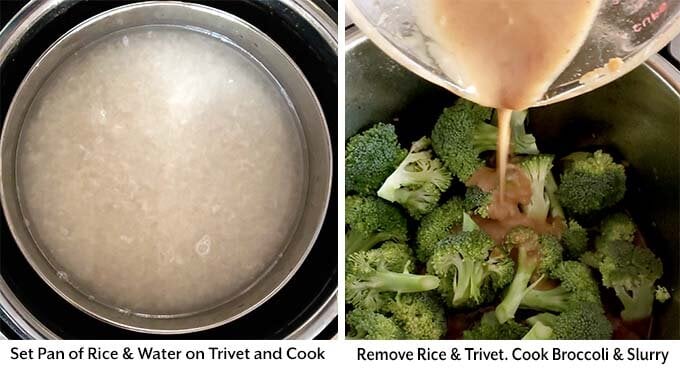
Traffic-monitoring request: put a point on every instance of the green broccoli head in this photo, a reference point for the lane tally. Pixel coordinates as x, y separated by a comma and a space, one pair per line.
462, 133
373, 277
367, 325
436, 226
616, 226
591, 182
418, 181
469, 269
536, 255
419, 201
550, 253
371, 221
578, 279
419, 314
661, 294
575, 239
631, 272
488, 328
370, 157
537, 168
577, 285
477, 201
397, 257
584, 321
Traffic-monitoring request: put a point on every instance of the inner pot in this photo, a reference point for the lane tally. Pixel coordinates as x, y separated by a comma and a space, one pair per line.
636, 117
220, 25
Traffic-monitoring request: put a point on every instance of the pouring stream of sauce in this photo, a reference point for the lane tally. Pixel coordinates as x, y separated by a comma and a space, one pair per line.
506, 53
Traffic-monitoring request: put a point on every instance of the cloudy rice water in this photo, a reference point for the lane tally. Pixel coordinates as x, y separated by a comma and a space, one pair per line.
162, 170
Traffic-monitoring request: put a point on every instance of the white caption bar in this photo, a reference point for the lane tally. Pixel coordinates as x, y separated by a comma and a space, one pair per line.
413, 357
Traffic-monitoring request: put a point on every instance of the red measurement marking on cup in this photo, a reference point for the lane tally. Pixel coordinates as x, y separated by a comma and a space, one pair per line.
653, 16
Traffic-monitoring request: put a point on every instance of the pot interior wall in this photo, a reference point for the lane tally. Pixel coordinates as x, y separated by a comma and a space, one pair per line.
314, 282
636, 118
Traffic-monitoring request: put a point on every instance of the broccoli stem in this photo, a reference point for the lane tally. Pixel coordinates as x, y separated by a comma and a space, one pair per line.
551, 189
521, 141
467, 282
554, 300
402, 282
519, 287
638, 305
468, 223
478, 273
539, 331
356, 241
547, 319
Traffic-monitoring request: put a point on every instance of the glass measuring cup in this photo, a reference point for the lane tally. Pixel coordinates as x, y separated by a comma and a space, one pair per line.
623, 35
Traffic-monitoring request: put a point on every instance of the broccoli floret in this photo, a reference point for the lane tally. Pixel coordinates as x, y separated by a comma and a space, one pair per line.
577, 284
537, 168
372, 277
462, 133
536, 255
419, 314
551, 191
418, 181
397, 257
631, 271
436, 226
368, 325
419, 201
371, 221
661, 294
575, 239
539, 331
477, 201
616, 226
488, 328
470, 270
584, 321
370, 157
591, 182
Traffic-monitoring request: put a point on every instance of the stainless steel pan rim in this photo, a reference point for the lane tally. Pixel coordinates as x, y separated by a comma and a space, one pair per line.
322, 183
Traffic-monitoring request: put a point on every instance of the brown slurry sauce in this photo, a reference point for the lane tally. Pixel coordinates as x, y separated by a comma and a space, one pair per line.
504, 211
506, 214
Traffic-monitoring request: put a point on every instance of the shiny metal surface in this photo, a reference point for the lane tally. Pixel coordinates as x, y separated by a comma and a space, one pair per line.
316, 17
264, 50
322, 318
637, 117
35, 12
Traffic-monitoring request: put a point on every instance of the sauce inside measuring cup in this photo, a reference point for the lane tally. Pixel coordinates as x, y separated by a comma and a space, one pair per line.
506, 52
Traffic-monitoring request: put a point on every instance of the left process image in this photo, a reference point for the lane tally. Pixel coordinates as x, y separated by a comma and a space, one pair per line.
167, 169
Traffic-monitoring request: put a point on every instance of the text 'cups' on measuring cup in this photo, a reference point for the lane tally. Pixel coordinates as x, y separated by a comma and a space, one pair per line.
621, 36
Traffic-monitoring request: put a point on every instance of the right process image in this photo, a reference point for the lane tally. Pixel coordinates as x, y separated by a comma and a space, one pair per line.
512, 169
